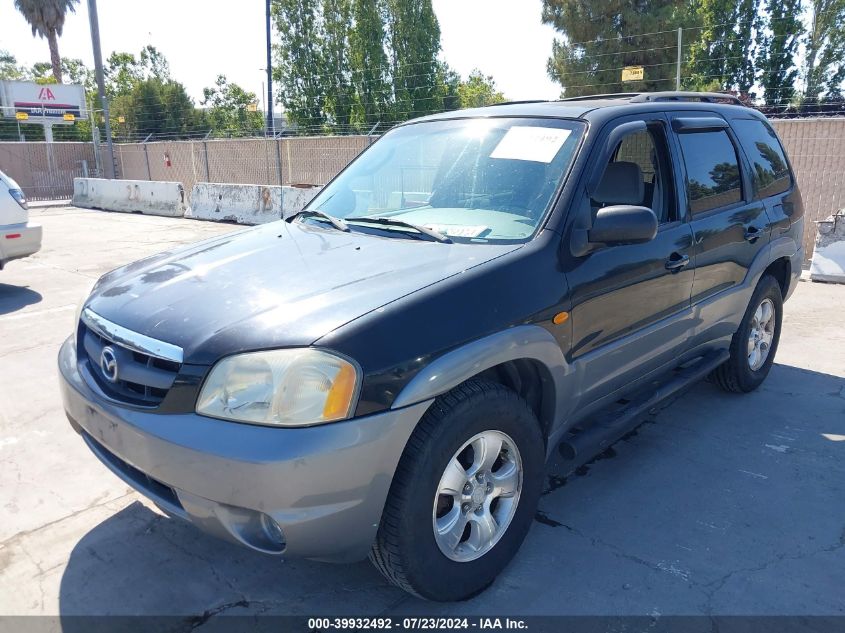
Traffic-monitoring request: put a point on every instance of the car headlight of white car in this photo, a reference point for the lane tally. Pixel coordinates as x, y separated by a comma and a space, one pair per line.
285, 387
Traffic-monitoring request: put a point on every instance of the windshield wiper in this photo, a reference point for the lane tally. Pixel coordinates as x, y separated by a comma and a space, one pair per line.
436, 235
337, 223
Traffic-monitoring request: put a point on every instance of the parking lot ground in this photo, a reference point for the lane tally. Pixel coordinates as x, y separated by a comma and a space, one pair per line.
718, 505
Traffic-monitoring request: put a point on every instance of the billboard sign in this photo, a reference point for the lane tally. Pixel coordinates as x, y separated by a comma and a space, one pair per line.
43, 103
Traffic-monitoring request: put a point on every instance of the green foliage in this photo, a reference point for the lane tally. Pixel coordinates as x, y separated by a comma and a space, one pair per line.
414, 42
478, 90
300, 65
600, 37
824, 67
778, 47
350, 65
123, 70
722, 56
228, 109
369, 64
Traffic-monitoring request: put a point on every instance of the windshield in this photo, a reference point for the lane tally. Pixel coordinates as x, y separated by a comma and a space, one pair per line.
473, 180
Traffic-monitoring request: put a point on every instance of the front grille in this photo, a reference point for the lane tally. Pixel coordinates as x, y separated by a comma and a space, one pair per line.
141, 379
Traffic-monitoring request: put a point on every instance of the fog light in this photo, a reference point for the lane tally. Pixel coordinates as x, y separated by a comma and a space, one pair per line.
273, 530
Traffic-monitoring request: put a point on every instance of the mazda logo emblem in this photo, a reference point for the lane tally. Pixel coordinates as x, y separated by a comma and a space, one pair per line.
108, 364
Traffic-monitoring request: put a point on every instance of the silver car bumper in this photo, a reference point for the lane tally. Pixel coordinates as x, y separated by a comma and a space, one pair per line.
18, 240
323, 486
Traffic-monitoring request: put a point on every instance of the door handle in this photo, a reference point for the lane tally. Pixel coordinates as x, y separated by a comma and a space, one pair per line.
676, 262
752, 234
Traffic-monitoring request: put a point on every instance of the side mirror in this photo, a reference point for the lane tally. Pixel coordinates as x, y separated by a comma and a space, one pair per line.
623, 224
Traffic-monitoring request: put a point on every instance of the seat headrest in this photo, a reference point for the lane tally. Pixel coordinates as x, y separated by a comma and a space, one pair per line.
622, 183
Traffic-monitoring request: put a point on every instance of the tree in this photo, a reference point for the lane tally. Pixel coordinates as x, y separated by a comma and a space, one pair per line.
157, 107
231, 109
340, 93
600, 37
478, 90
300, 62
414, 40
47, 19
824, 66
722, 56
123, 70
9, 68
369, 63
778, 46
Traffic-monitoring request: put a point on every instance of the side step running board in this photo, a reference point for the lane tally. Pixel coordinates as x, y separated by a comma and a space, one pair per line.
608, 428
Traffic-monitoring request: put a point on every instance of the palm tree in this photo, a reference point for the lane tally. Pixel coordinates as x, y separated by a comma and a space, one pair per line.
47, 18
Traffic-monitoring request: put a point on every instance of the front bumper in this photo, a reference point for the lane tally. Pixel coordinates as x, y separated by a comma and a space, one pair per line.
19, 240
325, 486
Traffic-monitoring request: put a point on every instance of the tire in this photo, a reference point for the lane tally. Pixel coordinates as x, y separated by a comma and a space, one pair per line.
743, 372
406, 549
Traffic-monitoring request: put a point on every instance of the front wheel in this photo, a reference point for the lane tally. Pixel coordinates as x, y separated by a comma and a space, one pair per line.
754, 345
464, 493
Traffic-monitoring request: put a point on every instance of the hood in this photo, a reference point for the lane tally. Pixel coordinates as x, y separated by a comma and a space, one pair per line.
278, 285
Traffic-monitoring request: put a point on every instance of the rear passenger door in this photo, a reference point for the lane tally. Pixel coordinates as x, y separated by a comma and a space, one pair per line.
729, 226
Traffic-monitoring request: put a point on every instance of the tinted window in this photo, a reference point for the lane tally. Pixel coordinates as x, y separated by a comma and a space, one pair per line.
768, 163
713, 178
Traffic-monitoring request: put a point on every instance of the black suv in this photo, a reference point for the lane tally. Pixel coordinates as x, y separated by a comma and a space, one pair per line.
386, 373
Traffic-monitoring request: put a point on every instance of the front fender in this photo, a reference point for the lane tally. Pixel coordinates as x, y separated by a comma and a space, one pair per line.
523, 342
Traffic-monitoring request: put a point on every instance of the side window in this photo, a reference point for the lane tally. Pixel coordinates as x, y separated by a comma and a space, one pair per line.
768, 162
639, 174
713, 177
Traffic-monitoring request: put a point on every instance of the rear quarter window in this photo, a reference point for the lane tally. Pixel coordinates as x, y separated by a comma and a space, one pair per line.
769, 168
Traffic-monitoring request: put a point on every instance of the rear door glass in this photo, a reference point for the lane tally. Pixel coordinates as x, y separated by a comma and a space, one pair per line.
713, 176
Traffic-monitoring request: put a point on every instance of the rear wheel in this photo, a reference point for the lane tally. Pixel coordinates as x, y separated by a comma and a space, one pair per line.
755, 343
464, 493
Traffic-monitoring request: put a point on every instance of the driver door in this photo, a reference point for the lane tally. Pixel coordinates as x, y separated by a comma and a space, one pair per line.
631, 302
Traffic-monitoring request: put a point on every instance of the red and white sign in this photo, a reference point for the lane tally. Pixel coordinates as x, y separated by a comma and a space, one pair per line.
42, 102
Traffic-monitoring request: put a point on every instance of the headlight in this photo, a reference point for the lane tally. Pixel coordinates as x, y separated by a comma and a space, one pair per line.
82, 299
285, 387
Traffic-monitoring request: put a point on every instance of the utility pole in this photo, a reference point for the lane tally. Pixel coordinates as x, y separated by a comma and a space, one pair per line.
101, 84
270, 127
678, 71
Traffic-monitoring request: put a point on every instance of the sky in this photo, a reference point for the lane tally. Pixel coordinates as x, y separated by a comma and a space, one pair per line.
204, 38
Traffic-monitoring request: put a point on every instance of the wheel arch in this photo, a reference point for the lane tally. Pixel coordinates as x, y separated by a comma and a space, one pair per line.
526, 358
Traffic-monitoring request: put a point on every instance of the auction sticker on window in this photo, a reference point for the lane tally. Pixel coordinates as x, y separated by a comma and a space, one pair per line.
539, 144
457, 230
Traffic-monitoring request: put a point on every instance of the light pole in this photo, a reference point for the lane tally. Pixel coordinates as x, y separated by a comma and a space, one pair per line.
101, 84
270, 128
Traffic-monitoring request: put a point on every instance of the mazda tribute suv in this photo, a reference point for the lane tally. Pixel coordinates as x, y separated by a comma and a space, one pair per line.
386, 373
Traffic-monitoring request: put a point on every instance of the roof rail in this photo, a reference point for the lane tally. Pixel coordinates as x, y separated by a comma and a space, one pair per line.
684, 95
609, 95
504, 103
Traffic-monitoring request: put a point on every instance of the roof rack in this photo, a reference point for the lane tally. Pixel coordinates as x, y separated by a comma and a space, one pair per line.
685, 95
668, 95
504, 103
609, 95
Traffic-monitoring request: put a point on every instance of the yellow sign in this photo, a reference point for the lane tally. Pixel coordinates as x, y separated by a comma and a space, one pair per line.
69, 117
252, 107
21, 116
121, 119
632, 73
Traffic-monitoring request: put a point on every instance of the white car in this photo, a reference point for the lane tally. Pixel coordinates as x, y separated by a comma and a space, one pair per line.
18, 238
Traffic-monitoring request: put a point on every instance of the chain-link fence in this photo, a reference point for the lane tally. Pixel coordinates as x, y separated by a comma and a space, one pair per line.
815, 146
45, 171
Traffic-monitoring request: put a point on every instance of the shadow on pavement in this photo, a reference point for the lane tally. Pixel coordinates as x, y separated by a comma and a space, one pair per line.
719, 504
13, 298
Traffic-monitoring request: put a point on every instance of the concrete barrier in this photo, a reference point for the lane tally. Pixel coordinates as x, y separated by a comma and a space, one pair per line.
130, 196
828, 263
247, 204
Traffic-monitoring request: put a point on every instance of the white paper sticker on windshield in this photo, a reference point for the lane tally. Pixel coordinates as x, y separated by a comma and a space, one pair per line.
539, 144
457, 230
